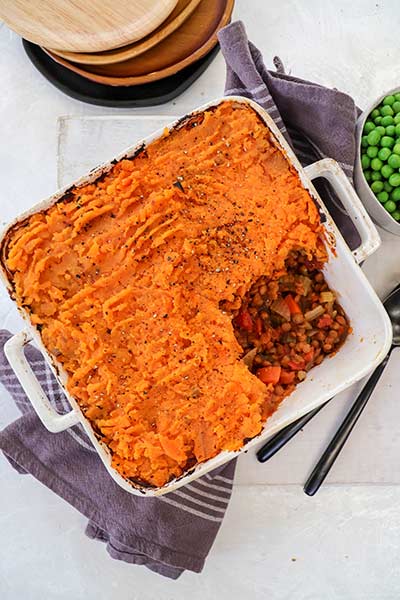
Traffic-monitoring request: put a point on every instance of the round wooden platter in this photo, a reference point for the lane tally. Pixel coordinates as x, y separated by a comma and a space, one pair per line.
82, 89
193, 40
181, 12
84, 26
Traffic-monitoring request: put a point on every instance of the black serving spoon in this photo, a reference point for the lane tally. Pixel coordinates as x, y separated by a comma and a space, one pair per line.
325, 463
284, 435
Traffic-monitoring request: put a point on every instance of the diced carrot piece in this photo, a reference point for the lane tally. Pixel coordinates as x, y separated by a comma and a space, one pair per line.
287, 377
296, 366
324, 322
309, 356
269, 374
292, 305
244, 320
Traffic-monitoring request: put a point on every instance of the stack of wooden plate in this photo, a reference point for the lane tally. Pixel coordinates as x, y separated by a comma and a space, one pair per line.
121, 42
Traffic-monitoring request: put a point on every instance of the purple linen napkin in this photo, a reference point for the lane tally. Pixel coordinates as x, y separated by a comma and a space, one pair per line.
167, 534
317, 121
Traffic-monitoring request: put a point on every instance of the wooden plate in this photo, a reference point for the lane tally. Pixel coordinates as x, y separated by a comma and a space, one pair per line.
84, 26
192, 41
84, 90
181, 12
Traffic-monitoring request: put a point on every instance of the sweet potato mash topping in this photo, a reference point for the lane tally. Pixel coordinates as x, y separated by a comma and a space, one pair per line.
130, 280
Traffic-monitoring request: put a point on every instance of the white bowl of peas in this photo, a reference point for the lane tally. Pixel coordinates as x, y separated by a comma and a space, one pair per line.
377, 169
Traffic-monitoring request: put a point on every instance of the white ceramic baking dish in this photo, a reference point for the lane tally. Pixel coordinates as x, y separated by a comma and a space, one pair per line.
379, 214
363, 350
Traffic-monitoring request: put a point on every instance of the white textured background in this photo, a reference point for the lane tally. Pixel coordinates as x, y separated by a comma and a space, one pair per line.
275, 542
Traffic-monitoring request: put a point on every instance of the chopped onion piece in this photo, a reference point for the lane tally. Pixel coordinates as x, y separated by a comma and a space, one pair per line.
316, 312
249, 357
305, 283
327, 297
281, 308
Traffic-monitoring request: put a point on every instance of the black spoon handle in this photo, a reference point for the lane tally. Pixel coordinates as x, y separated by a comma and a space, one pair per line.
333, 450
285, 435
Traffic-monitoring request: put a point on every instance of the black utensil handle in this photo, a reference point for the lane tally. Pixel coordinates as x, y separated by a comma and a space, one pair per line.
285, 435
331, 453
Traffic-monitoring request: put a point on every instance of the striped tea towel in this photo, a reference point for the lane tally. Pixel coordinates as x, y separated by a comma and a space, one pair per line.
167, 534
317, 121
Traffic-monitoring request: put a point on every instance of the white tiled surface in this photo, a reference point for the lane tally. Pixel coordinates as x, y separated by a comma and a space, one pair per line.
346, 539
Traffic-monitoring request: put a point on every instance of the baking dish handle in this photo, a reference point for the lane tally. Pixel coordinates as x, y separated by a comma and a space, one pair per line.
330, 170
14, 351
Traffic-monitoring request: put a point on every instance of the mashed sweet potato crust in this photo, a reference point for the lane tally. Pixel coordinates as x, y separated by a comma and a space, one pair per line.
126, 278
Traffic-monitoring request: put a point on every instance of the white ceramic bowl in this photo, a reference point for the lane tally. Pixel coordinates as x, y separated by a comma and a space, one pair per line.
379, 214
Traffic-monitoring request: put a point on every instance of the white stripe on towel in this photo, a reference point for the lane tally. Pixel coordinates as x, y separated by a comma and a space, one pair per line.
199, 502
192, 511
206, 494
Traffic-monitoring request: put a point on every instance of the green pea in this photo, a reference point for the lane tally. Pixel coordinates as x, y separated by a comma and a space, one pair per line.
395, 149
386, 186
369, 126
378, 120
373, 137
387, 110
367, 175
394, 179
396, 106
395, 195
387, 171
376, 176
382, 196
384, 153
364, 141
394, 161
385, 121
388, 100
386, 141
373, 151
377, 186
390, 206
397, 96
390, 130
376, 164
397, 129
374, 114
396, 215
366, 161
380, 129
397, 119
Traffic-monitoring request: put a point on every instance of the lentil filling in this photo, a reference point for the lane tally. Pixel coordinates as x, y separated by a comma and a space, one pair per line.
287, 325
150, 284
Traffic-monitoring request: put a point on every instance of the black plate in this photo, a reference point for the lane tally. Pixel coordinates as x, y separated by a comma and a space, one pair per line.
149, 94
